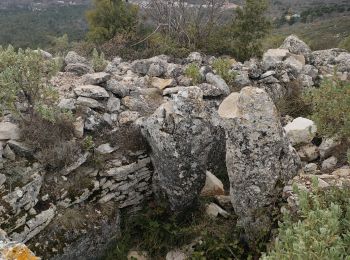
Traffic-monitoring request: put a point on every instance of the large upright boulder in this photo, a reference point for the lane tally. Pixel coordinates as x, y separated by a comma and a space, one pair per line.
180, 135
296, 46
259, 158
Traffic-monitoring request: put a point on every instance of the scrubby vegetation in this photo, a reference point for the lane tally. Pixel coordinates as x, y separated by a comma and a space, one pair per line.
222, 67
157, 232
192, 71
319, 230
330, 107
26, 92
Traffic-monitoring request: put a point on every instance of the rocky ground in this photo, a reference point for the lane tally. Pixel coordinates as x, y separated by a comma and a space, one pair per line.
163, 138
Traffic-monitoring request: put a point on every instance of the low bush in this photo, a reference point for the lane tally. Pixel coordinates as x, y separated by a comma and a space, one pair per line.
192, 71
222, 67
345, 44
330, 106
99, 62
320, 230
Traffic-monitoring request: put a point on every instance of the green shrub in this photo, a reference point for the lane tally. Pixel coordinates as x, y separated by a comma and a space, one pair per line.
60, 45
98, 61
222, 67
108, 18
330, 105
24, 78
321, 230
192, 71
348, 156
345, 44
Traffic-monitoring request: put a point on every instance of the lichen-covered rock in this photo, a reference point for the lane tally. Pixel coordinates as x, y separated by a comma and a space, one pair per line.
296, 46
301, 131
15, 251
218, 82
9, 131
259, 158
180, 135
91, 91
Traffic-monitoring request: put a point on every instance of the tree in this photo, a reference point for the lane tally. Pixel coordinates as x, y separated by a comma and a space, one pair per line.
110, 17
250, 28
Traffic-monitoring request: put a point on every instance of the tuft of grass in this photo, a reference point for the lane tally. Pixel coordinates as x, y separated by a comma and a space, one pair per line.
192, 71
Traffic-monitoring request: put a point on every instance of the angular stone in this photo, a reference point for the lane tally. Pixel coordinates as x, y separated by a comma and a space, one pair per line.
35, 226
180, 135
67, 103
175, 255
96, 78
113, 104
273, 57
25, 197
91, 91
213, 186
9, 131
329, 164
210, 90
106, 149
259, 158
328, 146
78, 68
73, 57
301, 131
89, 102
308, 153
218, 82
296, 46
162, 83
214, 211
8, 153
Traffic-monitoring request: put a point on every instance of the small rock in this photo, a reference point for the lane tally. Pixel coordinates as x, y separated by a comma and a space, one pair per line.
67, 103
342, 172
175, 255
273, 57
128, 117
218, 82
105, 149
91, 91
79, 127
2, 179
20, 148
137, 255
327, 146
213, 186
78, 69
214, 210
113, 104
308, 153
89, 102
9, 154
329, 164
96, 78
310, 168
301, 131
9, 131
162, 83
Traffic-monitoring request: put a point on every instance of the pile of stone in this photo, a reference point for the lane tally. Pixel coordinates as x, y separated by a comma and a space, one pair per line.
189, 129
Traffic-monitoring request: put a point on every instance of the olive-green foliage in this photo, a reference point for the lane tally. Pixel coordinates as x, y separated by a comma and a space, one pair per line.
250, 28
99, 62
59, 45
192, 71
321, 230
345, 44
110, 17
24, 77
348, 156
330, 106
222, 67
